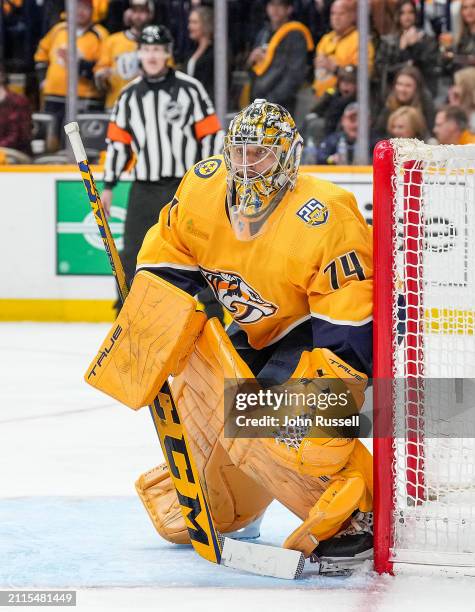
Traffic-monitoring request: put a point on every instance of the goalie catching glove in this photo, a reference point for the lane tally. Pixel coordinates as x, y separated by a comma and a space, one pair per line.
318, 451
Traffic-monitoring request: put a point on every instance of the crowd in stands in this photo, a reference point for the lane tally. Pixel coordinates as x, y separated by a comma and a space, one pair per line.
302, 54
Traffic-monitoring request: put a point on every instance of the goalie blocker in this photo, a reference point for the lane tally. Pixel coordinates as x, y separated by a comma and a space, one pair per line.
322, 480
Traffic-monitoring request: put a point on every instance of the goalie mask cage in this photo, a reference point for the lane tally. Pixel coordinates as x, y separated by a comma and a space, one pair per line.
424, 357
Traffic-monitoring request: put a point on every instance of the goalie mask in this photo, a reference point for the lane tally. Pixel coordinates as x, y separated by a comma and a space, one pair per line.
262, 154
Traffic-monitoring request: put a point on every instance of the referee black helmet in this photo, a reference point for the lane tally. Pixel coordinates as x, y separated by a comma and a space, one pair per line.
156, 35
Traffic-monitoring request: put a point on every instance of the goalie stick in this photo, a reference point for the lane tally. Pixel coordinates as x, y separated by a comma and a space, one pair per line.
208, 543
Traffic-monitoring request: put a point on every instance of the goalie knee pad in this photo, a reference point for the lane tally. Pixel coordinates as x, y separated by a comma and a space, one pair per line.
235, 499
157, 492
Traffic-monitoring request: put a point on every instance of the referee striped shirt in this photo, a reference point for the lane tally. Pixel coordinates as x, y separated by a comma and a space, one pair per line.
163, 127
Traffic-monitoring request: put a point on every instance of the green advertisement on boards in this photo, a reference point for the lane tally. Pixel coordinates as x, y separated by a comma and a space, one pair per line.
79, 247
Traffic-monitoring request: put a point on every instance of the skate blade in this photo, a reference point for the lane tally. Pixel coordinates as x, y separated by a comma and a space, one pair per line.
250, 532
342, 566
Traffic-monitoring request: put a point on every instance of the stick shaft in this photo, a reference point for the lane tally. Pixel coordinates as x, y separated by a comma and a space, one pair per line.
72, 131
104, 229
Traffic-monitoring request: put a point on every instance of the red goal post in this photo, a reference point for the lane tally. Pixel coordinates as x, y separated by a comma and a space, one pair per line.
424, 303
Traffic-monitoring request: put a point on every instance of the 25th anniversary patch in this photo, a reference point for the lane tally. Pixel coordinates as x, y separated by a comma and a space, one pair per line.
313, 213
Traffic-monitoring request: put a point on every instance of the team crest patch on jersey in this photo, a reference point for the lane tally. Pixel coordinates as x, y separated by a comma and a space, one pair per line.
239, 298
207, 168
313, 213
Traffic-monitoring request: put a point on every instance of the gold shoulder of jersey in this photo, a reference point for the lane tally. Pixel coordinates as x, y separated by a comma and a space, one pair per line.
61, 25
312, 185
116, 36
203, 191
101, 31
315, 203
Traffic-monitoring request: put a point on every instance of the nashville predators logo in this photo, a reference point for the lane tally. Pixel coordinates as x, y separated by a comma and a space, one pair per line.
207, 168
313, 213
241, 300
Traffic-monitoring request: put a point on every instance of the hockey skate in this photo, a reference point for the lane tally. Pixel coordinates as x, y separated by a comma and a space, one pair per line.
250, 532
341, 554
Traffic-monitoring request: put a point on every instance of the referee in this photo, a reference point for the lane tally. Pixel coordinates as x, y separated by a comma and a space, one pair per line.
163, 123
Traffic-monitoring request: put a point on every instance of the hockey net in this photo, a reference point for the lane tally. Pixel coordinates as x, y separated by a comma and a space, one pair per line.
424, 356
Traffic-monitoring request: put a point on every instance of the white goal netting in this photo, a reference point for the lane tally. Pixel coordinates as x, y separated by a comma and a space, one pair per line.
434, 354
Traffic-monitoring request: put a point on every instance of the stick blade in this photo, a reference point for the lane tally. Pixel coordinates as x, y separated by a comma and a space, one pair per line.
263, 560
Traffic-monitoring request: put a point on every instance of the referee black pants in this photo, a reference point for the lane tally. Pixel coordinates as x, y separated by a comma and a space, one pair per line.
146, 200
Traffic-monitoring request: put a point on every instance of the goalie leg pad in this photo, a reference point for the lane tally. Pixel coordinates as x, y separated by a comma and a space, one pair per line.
152, 338
239, 474
235, 498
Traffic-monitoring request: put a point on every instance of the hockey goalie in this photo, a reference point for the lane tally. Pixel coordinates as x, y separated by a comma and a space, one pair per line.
290, 258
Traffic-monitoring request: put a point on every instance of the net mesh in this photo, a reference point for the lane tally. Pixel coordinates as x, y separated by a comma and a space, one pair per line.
292, 435
434, 354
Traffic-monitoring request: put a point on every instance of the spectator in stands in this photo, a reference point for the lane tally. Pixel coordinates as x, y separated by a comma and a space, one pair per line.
118, 63
463, 51
407, 122
54, 11
117, 16
100, 8
331, 105
51, 14
20, 24
339, 146
462, 93
278, 61
451, 126
51, 64
382, 15
406, 45
408, 90
440, 16
339, 47
200, 64
15, 118
315, 14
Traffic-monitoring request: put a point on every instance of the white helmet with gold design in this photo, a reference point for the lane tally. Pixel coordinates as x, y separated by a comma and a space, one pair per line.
262, 154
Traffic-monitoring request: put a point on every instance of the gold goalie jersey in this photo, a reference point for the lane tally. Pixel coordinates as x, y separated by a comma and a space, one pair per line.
313, 262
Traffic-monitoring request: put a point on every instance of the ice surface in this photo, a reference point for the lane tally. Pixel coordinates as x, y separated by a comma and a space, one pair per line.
69, 516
